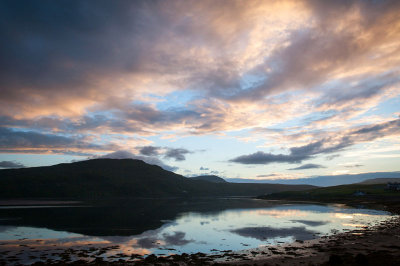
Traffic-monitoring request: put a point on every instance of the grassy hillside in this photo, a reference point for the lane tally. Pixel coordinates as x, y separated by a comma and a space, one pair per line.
338, 193
102, 178
380, 181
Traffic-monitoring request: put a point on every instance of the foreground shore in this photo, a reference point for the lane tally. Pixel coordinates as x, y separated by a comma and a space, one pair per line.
367, 246
376, 245
363, 246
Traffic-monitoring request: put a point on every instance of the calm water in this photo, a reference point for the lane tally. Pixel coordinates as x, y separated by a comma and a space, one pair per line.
171, 227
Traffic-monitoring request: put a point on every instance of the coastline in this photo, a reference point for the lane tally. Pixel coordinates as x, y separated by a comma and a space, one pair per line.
362, 246
367, 246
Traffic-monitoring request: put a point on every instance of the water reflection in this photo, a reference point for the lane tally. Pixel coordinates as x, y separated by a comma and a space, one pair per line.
169, 227
311, 223
265, 233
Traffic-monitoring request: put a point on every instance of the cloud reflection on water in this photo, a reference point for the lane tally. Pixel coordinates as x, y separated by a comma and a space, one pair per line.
263, 233
200, 231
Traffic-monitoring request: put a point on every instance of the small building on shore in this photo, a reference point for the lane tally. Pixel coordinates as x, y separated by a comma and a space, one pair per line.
359, 193
393, 186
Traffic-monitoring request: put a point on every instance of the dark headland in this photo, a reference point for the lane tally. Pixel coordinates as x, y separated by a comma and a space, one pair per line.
210, 178
119, 178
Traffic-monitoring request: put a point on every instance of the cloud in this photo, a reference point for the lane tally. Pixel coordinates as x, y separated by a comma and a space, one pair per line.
311, 223
267, 175
152, 240
330, 144
10, 164
177, 154
263, 233
147, 159
176, 239
149, 150
266, 158
15, 141
353, 165
82, 78
55, 67
147, 242
331, 157
308, 166
23, 141
86, 124
204, 168
168, 153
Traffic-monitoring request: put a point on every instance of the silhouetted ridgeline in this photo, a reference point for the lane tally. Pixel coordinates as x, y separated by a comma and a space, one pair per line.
210, 178
340, 193
101, 178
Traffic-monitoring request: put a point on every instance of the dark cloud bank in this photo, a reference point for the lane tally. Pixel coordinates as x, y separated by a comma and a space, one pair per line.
168, 153
325, 145
10, 164
265, 233
308, 166
21, 141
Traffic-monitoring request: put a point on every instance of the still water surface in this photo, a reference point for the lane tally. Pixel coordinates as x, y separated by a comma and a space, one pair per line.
162, 228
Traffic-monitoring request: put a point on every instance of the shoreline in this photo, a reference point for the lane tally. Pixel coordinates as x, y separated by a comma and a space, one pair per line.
362, 246
366, 246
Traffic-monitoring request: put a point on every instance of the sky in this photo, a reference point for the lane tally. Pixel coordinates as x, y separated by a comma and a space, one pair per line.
239, 89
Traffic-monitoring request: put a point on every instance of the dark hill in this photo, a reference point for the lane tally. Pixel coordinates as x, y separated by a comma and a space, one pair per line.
209, 178
380, 181
107, 178
323, 181
342, 193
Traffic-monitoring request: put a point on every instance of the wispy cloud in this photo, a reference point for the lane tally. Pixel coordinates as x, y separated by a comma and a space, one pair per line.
149, 150
353, 165
15, 140
308, 166
325, 145
179, 154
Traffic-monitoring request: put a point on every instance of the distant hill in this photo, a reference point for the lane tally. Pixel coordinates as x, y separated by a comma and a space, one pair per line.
210, 178
342, 193
118, 178
322, 181
380, 181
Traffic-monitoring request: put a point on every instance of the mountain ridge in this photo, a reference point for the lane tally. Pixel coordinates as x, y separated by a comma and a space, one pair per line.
322, 181
380, 181
209, 178
111, 178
